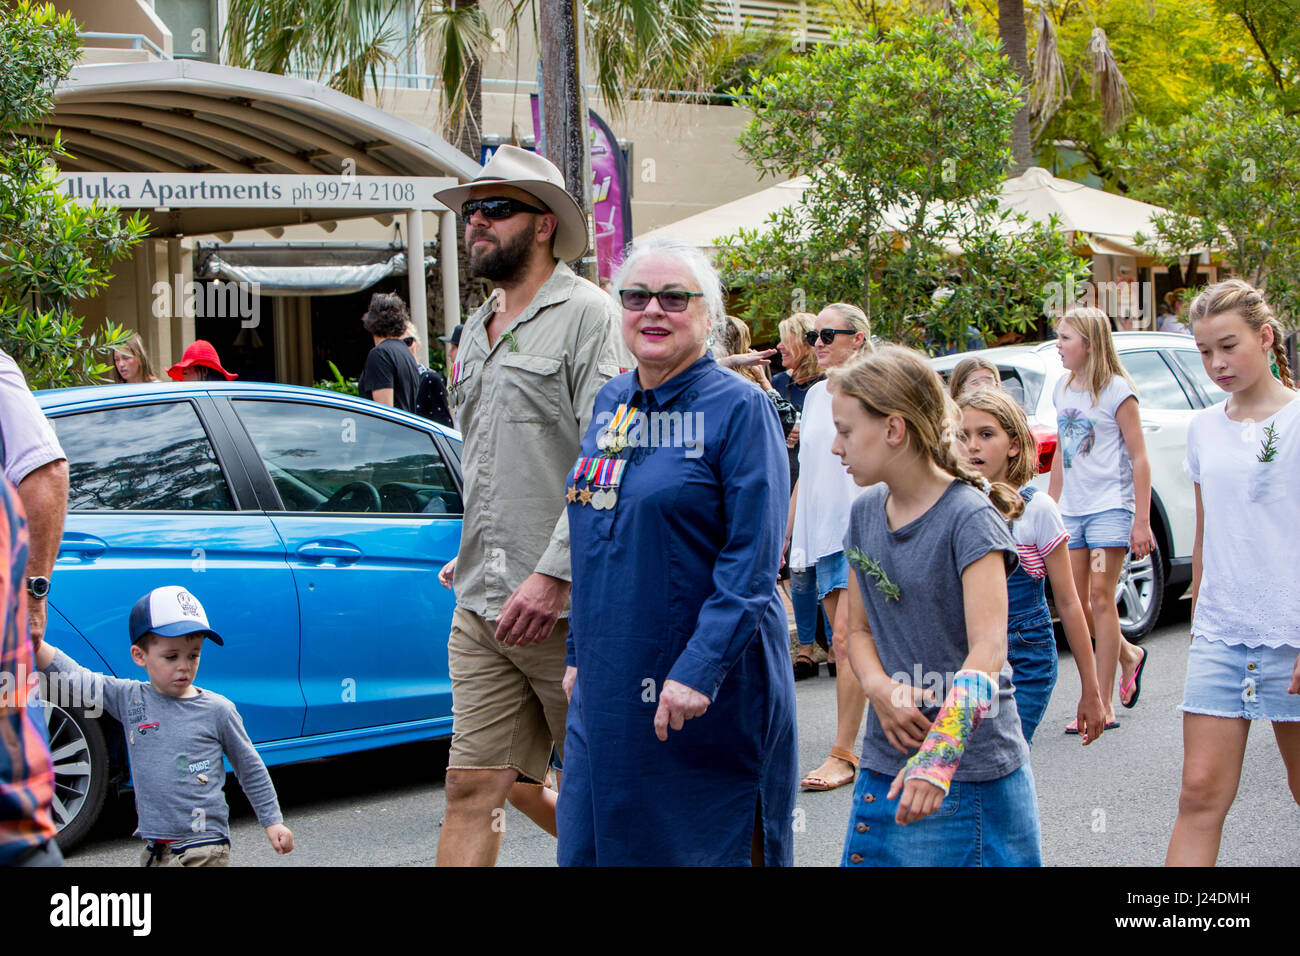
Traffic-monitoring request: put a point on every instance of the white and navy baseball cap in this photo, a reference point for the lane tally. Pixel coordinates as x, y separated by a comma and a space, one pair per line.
170, 611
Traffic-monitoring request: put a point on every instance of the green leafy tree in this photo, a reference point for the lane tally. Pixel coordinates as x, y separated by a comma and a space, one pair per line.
904, 136
53, 252
1229, 174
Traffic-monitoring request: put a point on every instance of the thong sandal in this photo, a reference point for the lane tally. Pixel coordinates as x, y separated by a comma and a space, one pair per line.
1134, 682
805, 667
812, 782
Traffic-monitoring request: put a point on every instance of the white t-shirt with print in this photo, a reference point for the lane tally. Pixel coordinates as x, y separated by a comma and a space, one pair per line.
1097, 470
1037, 533
826, 490
1250, 582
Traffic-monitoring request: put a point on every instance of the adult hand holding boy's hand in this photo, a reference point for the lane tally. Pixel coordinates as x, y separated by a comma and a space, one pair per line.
281, 838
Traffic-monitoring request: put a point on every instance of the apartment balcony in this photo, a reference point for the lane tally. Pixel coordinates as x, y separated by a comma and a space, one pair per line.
798, 19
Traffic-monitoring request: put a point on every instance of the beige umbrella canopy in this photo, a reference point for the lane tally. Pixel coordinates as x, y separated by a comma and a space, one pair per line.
1104, 222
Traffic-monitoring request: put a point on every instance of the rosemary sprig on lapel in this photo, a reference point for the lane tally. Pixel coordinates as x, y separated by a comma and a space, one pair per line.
872, 569
1268, 447
509, 336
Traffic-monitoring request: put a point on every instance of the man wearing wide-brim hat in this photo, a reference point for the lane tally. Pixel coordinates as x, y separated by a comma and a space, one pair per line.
530, 362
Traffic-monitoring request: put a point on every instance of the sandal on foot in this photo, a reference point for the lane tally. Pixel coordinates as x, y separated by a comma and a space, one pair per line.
1134, 682
816, 782
805, 667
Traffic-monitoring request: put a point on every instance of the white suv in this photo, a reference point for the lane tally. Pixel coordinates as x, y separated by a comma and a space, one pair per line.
1172, 384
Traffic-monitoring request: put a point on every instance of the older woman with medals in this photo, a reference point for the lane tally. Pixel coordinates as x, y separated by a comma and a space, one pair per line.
680, 747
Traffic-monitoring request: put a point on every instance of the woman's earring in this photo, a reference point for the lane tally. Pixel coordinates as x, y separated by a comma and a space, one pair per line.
709, 341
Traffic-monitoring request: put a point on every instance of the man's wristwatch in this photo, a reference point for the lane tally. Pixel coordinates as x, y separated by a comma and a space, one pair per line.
38, 587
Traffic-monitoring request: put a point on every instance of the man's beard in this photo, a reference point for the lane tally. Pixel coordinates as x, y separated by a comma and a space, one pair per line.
502, 262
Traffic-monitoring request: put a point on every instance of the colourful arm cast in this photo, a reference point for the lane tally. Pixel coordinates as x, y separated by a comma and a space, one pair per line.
967, 703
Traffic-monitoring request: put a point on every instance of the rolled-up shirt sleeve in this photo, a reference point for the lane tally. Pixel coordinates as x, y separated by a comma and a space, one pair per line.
29, 439
756, 494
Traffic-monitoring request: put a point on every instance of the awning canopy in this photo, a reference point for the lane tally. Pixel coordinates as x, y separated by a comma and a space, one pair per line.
298, 269
1105, 222
188, 116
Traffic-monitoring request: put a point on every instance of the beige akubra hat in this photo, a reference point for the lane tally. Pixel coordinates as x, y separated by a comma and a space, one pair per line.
538, 176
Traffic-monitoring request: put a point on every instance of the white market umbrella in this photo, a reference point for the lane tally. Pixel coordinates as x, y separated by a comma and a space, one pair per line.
1105, 221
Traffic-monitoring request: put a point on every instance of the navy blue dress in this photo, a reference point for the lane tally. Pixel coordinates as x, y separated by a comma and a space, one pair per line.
678, 581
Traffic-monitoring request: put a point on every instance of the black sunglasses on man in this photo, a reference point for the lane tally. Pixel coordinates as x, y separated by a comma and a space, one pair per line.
497, 207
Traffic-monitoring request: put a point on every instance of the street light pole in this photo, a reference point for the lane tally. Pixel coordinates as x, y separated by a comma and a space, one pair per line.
564, 108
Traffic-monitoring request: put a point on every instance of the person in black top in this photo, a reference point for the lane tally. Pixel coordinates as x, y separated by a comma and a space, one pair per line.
390, 375
431, 399
801, 373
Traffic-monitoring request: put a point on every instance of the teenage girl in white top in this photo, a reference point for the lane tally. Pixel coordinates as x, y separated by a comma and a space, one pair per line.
1101, 480
1244, 662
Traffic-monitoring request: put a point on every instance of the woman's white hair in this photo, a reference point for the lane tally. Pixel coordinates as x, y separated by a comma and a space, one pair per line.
701, 270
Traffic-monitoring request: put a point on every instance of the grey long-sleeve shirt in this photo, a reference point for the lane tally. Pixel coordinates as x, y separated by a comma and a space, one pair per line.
175, 745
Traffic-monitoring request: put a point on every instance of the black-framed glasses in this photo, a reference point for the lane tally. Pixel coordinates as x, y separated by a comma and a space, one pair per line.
826, 335
670, 300
497, 207
409, 341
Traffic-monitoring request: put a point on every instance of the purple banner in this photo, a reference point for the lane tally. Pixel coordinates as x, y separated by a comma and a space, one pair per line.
611, 198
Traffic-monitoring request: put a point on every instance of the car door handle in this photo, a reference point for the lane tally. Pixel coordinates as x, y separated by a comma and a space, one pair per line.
320, 550
82, 546
1151, 428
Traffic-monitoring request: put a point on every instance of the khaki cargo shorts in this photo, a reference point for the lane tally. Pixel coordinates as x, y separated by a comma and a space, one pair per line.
210, 854
508, 705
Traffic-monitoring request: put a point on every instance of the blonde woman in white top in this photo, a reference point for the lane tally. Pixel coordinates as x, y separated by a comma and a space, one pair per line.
819, 519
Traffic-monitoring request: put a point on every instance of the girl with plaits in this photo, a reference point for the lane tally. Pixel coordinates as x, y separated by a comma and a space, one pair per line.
999, 445
1244, 662
927, 631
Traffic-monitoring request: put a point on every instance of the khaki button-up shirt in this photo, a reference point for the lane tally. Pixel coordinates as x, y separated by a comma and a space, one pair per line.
523, 407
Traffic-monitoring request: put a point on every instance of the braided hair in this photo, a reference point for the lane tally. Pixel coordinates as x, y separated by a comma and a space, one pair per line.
1235, 295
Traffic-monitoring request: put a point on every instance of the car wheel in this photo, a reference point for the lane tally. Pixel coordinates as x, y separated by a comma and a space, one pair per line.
80, 759
1139, 595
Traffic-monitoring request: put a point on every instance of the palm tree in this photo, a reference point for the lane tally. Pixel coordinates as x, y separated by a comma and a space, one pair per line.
347, 44
1011, 31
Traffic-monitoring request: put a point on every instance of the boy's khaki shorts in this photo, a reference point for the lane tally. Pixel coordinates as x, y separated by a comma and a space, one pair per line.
212, 854
508, 705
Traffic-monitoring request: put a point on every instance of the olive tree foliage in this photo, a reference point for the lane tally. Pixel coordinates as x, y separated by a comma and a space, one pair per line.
1229, 176
904, 136
53, 252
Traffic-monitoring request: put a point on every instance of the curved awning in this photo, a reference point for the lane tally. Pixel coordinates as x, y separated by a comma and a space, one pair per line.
189, 116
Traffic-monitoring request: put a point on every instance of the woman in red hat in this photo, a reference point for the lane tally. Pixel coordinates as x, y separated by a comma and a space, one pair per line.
199, 364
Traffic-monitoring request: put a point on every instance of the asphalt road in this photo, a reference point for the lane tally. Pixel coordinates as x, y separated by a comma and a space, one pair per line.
1110, 804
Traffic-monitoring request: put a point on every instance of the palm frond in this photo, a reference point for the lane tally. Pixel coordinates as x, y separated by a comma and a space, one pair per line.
1108, 83
644, 43
461, 33
1047, 87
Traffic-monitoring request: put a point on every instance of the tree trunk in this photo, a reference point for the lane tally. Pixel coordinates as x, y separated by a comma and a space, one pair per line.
564, 106
1011, 31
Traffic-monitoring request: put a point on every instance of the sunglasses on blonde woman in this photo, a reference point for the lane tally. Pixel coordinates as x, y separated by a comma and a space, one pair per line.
827, 335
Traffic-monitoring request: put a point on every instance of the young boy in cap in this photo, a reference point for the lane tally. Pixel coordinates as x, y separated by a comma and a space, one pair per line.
176, 735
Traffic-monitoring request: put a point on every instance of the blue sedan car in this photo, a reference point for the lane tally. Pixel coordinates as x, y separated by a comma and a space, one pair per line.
310, 524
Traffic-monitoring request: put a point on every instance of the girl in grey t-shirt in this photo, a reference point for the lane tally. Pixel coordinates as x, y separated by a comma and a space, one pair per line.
945, 777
